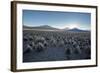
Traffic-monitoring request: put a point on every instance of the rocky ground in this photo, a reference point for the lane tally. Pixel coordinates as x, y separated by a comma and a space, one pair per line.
55, 45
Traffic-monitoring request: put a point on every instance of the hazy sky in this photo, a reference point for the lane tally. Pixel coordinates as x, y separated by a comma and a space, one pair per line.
57, 19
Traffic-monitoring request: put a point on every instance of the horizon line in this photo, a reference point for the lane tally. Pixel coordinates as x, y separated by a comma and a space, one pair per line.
56, 27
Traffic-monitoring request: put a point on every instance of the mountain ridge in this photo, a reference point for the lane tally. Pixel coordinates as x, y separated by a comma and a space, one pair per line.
47, 27
77, 30
41, 27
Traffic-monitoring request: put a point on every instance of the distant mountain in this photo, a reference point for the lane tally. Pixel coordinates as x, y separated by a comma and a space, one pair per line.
41, 27
46, 27
77, 30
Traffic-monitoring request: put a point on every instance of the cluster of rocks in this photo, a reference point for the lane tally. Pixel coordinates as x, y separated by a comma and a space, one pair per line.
72, 42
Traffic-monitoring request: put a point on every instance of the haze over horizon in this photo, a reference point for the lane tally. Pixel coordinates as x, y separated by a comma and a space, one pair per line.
60, 20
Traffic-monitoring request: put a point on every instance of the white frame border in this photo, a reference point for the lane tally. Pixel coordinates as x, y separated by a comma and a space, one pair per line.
35, 65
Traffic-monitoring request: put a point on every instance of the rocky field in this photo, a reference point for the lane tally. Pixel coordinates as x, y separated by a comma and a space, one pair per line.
55, 45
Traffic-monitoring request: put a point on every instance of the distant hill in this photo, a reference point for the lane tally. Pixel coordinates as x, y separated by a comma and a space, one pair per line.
77, 30
46, 27
40, 27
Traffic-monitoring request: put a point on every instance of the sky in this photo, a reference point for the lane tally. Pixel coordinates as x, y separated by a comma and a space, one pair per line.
57, 19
